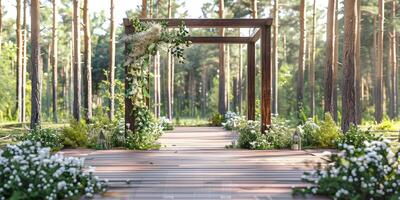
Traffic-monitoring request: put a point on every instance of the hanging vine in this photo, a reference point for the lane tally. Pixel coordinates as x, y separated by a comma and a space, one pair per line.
144, 43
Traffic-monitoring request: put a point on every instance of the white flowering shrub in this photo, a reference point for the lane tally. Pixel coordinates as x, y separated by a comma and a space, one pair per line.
308, 131
29, 171
232, 120
370, 171
166, 124
278, 136
47, 138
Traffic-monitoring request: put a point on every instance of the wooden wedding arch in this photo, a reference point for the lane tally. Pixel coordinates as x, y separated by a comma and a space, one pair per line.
262, 32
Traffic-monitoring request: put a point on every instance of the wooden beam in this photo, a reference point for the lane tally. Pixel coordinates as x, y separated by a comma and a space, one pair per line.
218, 39
209, 23
251, 81
129, 119
256, 36
265, 77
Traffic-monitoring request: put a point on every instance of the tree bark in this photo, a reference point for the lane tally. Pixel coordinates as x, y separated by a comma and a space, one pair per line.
221, 87
275, 64
312, 64
24, 63
19, 63
87, 61
302, 50
35, 57
55, 59
336, 65
112, 60
330, 58
144, 9
77, 62
1, 25
379, 65
358, 63
348, 99
239, 78
228, 77
393, 64
254, 9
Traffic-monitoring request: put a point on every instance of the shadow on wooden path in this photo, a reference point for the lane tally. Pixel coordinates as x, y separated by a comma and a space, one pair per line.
194, 164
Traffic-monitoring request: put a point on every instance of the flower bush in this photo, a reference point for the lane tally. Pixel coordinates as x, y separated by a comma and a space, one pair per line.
166, 124
147, 131
278, 136
29, 171
328, 133
309, 131
232, 120
370, 171
47, 137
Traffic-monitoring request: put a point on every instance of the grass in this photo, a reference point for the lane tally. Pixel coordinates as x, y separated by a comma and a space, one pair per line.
196, 122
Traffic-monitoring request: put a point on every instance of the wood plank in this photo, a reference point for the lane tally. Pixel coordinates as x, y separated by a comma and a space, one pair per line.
210, 23
251, 81
218, 40
266, 75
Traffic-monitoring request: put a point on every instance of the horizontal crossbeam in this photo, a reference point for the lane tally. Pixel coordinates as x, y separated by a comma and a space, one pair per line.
211, 23
219, 40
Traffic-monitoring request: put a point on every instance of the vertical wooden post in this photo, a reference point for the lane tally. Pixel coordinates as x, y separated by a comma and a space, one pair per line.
129, 120
265, 77
251, 86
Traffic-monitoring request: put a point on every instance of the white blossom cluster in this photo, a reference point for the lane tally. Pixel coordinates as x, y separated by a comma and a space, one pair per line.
232, 120
368, 172
32, 172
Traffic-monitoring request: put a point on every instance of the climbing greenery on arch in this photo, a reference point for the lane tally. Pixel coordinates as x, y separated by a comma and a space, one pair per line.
141, 46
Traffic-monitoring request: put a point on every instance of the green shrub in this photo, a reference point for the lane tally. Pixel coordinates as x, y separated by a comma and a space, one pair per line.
232, 120
309, 131
250, 136
29, 171
328, 133
166, 124
118, 134
216, 119
47, 137
356, 137
76, 134
385, 125
147, 131
277, 136
100, 133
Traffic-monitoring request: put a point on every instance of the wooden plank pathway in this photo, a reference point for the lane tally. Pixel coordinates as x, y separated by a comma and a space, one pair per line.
194, 164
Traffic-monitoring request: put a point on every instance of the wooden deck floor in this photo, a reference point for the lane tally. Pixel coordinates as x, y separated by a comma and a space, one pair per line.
194, 164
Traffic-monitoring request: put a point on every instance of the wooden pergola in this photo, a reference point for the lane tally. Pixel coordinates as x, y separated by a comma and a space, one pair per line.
262, 32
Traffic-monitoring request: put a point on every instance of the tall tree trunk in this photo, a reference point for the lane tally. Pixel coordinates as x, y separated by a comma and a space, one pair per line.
55, 59
144, 9
393, 65
221, 87
335, 64
87, 62
312, 64
379, 66
254, 9
1, 25
302, 50
169, 73
77, 62
348, 99
19, 63
330, 56
35, 57
112, 60
275, 64
358, 63
24, 63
